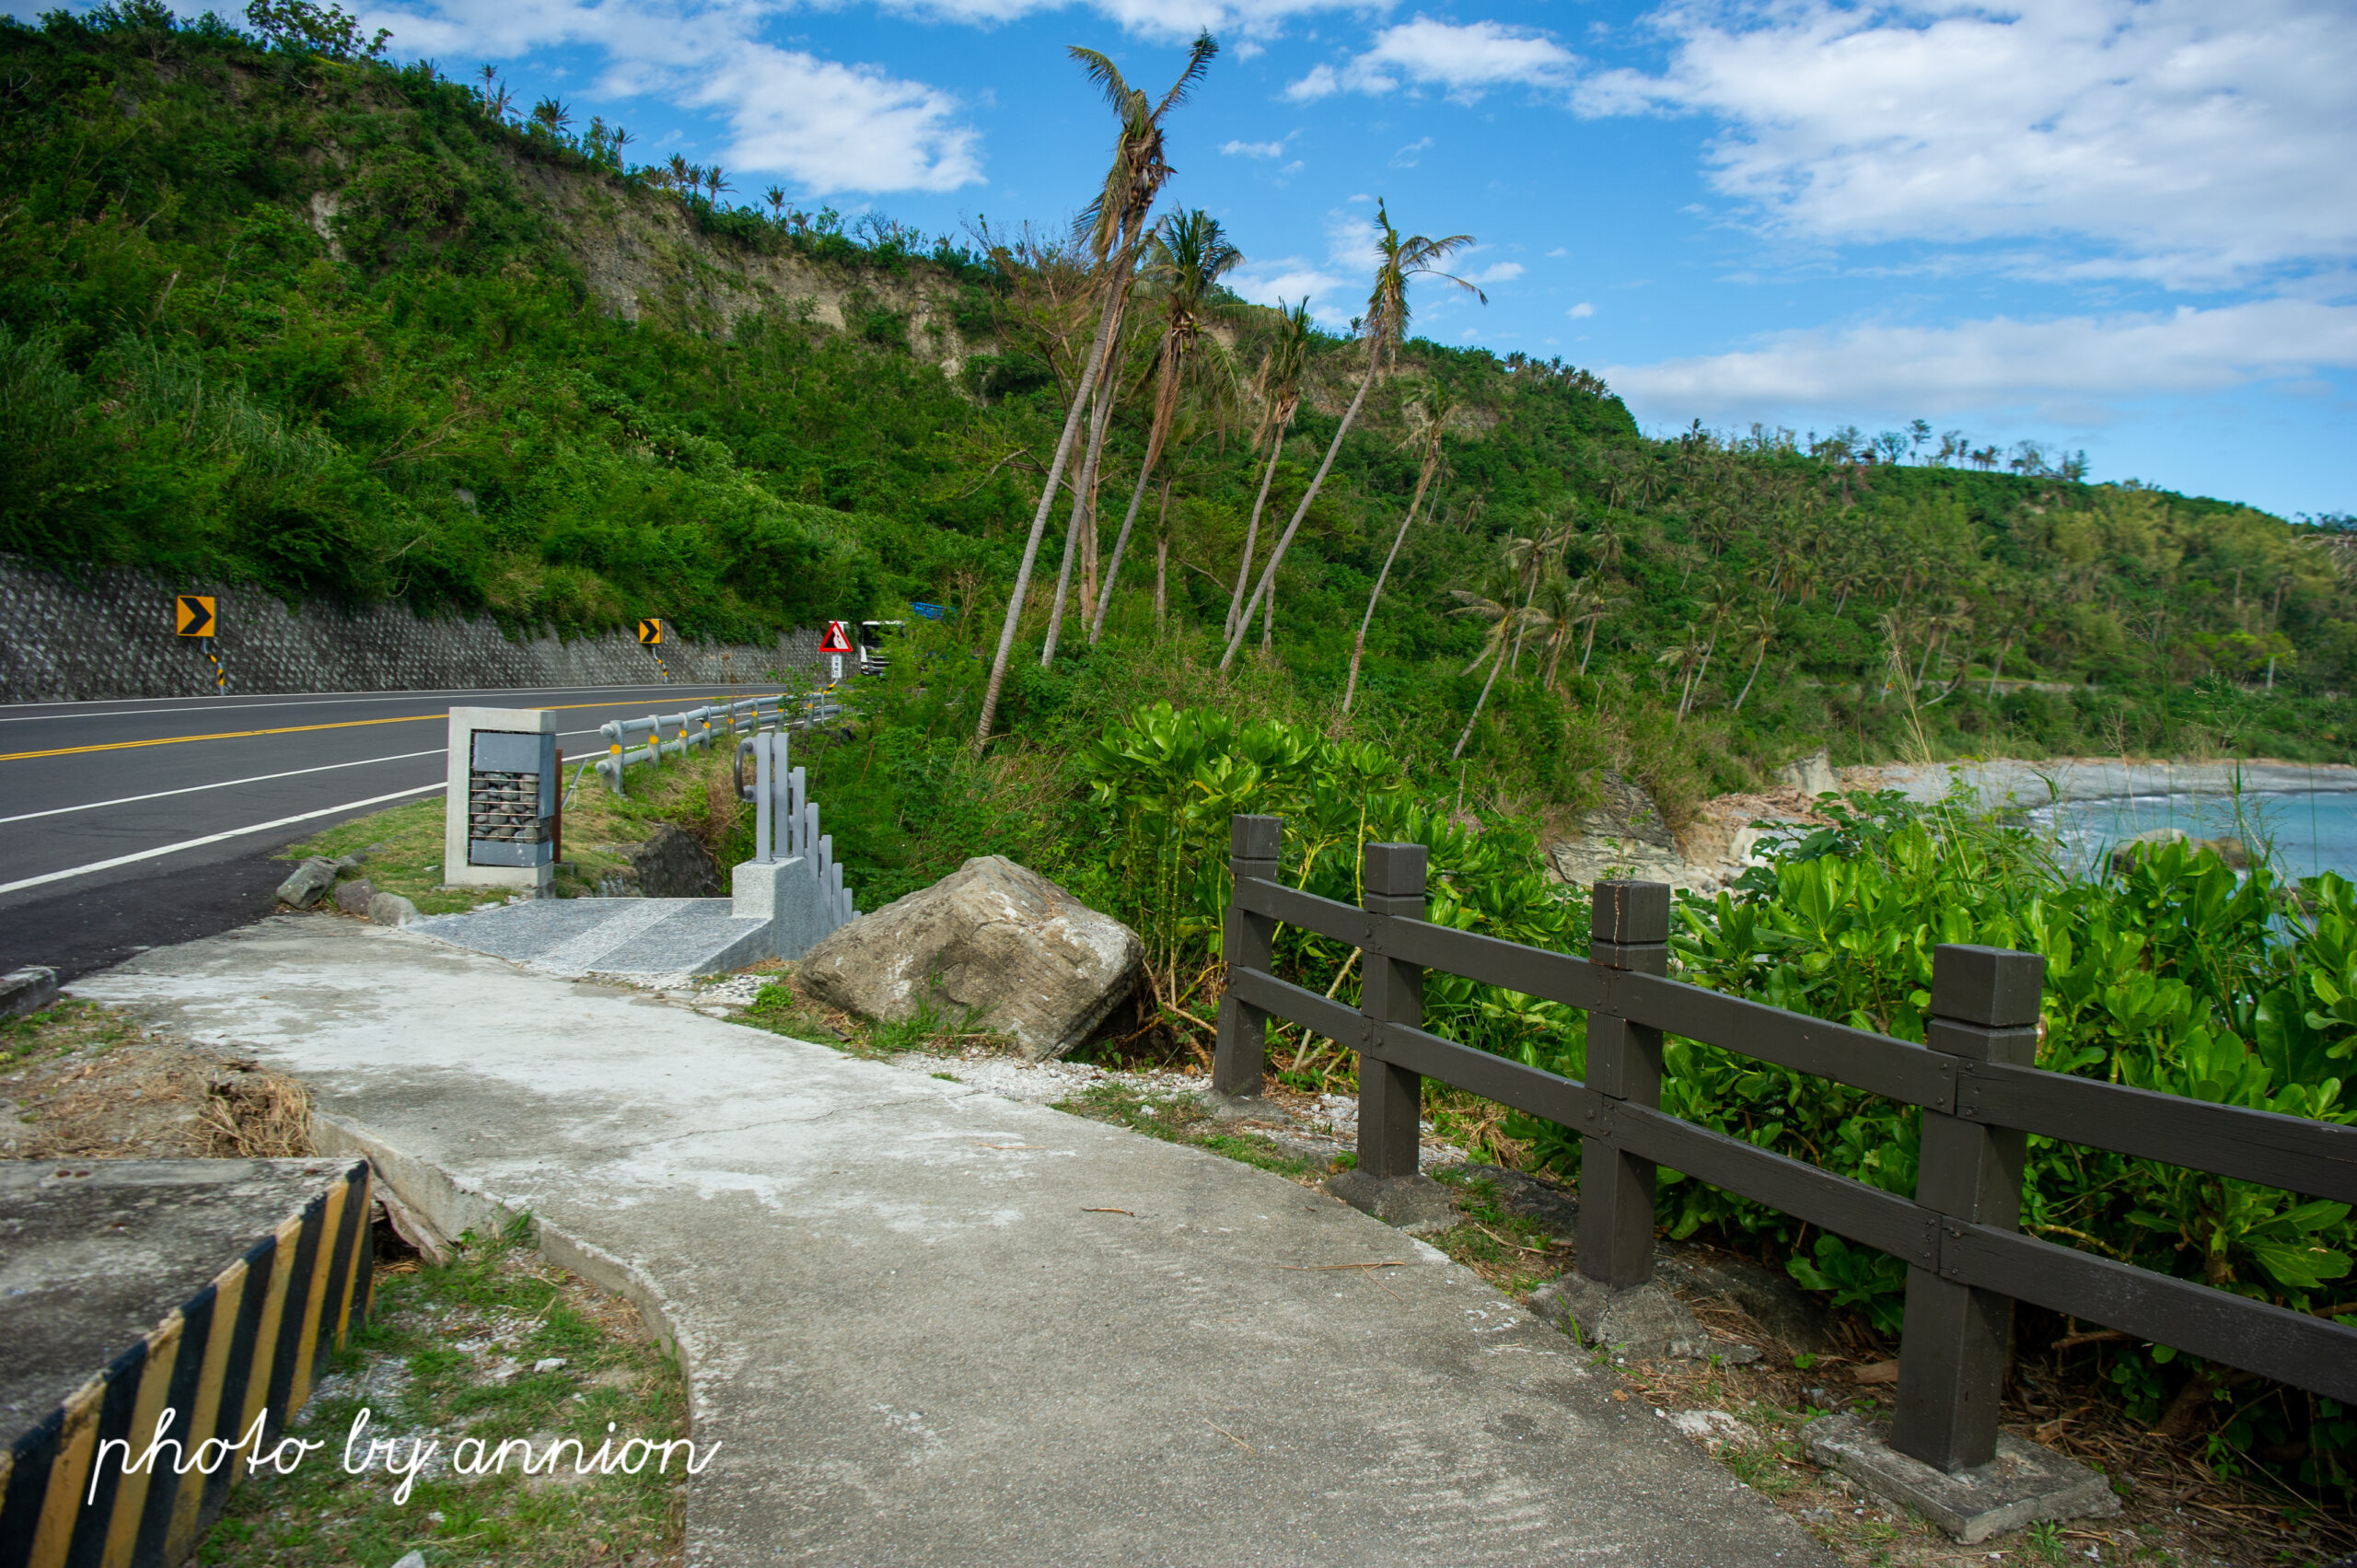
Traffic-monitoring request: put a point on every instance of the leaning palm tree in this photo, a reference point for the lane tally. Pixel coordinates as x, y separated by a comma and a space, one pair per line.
1570, 603
1758, 632
1383, 329
1600, 604
1113, 221
1688, 658
1185, 263
1507, 621
1428, 413
1279, 388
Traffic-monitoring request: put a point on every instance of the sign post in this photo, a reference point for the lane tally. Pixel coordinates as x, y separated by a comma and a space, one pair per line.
193, 616
835, 645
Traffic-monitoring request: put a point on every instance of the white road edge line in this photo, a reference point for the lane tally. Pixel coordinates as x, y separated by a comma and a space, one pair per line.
258, 778
215, 838
225, 784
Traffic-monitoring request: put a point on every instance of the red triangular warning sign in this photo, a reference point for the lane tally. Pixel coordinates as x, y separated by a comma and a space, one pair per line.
836, 641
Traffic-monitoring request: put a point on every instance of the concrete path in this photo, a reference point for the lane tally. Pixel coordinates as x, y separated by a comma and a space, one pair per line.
931, 1326
649, 941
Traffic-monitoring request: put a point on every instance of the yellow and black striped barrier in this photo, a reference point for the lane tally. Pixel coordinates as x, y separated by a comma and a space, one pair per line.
130, 1469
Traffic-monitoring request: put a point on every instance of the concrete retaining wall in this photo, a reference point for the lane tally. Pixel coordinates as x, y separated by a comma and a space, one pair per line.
111, 636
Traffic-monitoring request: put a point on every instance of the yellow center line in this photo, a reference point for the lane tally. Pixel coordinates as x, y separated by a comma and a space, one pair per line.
248, 734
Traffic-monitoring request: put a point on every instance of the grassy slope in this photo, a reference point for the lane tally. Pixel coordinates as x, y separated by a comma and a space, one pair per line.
329, 326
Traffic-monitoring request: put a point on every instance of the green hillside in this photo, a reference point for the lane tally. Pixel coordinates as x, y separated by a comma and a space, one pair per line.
279, 311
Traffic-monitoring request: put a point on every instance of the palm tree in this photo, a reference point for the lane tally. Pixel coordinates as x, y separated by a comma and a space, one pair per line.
1280, 393
775, 197
1600, 604
1185, 263
1506, 620
1688, 658
715, 182
1428, 413
1385, 326
1113, 221
1758, 632
1565, 603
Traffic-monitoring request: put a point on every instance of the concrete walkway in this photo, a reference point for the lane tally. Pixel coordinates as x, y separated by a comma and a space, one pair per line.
931, 1326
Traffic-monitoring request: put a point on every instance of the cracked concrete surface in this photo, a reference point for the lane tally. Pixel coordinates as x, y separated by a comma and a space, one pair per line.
931, 1324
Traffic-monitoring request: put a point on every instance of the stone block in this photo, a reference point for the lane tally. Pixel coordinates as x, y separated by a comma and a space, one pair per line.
304, 886
392, 909
26, 990
2023, 1485
1642, 1322
786, 894
1416, 1204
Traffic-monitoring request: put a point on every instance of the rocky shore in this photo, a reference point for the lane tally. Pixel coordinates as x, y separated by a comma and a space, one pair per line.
1627, 836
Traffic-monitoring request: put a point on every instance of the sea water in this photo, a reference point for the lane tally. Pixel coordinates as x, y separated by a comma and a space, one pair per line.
2309, 832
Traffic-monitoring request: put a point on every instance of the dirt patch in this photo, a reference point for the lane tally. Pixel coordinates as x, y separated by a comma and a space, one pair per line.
86, 1082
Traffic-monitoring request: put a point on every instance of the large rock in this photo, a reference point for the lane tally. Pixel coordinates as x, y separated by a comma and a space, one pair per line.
1624, 836
1812, 775
351, 898
1032, 960
303, 887
392, 909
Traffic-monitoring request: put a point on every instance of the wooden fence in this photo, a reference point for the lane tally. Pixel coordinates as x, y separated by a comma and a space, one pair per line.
1975, 1079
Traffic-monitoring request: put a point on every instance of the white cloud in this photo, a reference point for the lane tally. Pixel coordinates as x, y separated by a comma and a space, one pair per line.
1464, 59
1321, 82
1406, 157
839, 127
1496, 272
2070, 369
1580, 312
1558, 252
1253, 149
1172, 20
2186, 142
826, 125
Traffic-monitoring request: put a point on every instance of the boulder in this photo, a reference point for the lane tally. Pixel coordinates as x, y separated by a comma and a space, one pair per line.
2126, 853
1623, 836
1027, 958
2233, 850
1812, 775
303, 887
351, 898
392, 909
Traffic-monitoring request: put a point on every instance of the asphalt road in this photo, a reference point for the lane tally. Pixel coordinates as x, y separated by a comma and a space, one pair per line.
132, 825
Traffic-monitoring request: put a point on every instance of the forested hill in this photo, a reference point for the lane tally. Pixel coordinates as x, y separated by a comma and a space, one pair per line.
274, 309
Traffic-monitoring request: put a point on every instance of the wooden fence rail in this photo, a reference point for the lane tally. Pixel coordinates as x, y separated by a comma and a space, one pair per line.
1975, 1079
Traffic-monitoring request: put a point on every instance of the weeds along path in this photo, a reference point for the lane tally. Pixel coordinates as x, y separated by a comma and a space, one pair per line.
926, 1324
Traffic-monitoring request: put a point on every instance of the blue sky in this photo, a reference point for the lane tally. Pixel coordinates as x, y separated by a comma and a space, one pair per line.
2126, 226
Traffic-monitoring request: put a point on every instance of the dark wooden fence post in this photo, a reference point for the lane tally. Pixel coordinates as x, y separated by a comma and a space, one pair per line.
1631, 932
1953, 1347
1246, 942
1391, 1099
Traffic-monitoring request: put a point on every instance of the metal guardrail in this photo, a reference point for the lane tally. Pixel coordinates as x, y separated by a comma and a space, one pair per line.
1975, 1079
696, 727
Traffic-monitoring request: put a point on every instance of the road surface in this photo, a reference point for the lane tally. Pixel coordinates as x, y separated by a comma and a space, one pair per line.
128, 825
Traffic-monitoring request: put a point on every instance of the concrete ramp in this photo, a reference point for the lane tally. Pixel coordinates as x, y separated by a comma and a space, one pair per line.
927, 1325
645, 939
